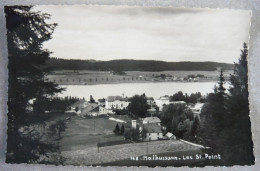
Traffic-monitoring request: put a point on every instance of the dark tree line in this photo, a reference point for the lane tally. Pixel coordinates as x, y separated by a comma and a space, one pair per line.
55, 104
225, 118
118, 66
27, 30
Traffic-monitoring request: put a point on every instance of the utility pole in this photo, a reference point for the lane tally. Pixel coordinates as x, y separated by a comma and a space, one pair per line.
147, 148
94, 124
98, 145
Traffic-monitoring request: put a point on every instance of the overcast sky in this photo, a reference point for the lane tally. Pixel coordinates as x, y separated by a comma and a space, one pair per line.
147, 33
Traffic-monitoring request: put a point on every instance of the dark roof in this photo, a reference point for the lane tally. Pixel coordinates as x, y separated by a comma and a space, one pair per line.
101, 100
92, 107
114, 98
78, 103
152, 128
149, 98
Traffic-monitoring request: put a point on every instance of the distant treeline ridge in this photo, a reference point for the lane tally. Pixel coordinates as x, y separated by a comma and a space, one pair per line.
133, 65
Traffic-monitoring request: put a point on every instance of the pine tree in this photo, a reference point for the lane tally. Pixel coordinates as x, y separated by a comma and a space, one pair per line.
212, 116
91, 99
239, 145
195, 126
117, 129
26, 32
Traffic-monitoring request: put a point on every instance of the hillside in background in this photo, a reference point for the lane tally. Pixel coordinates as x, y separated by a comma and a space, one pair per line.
133, 65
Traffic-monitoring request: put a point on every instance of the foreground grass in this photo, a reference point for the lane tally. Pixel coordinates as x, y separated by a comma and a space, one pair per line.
181, 161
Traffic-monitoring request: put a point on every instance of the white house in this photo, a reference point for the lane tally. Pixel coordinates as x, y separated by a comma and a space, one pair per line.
164, 100
153, 132
102, 110
116, 102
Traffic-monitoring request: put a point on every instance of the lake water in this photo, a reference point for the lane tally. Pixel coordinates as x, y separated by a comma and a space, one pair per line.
129, 89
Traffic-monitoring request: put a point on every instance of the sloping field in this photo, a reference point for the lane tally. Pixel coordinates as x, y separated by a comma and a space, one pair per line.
82, 133
93, 156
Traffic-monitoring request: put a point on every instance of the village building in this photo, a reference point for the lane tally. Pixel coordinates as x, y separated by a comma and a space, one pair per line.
102, 110
153, 132
165, 100
170, 136
92, 109
116, 102
160, 102
150, 126
83, 108
77, 107
152, 120
102, 102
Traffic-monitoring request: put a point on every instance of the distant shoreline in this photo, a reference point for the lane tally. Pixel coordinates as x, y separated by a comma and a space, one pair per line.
138, 82
98, 77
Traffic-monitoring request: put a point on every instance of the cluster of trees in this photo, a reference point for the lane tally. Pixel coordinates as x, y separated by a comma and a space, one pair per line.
180, 121
119, 131
138, 105
162, 76
27, 30
192, 98
121, 111
225, 118
134, 65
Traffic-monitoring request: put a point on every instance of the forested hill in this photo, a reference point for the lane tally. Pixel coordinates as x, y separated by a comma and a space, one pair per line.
133, 65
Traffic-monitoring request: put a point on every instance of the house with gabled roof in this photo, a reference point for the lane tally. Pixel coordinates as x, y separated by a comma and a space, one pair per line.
153, 132
92, 109
102, 102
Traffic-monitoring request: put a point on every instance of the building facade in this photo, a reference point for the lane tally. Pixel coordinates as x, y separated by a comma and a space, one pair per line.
116, 102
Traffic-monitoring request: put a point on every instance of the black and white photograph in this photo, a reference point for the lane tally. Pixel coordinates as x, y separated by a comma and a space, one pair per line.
103, 85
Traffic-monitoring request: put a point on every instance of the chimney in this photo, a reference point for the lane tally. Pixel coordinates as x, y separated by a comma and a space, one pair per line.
134, 124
